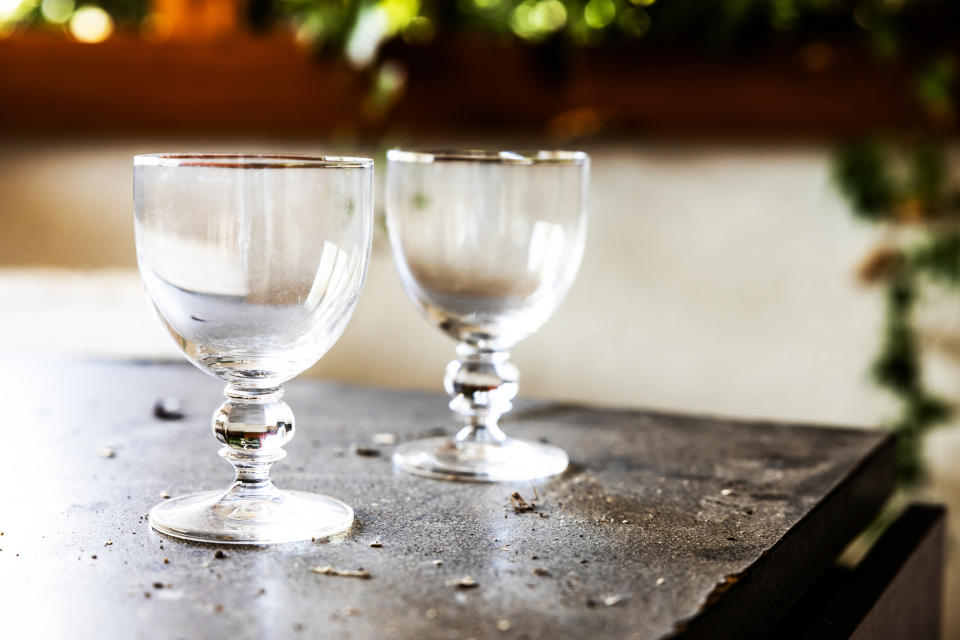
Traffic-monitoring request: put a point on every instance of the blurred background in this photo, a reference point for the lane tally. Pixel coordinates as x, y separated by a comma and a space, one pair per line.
774, 198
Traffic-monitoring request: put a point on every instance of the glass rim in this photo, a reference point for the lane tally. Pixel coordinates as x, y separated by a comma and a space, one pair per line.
250, 161
561, 157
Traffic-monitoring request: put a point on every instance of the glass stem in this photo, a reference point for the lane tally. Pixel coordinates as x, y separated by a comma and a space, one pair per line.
481, 383
253, 424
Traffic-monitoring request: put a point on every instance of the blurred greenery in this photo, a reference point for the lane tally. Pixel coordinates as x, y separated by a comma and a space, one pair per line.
357, 28
905, 185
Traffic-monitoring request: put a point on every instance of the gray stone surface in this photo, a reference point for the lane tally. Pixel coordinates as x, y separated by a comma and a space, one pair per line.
665, 524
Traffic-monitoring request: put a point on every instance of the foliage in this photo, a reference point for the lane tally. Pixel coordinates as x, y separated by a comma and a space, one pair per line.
860, 171
340, 26
356, 29
922, 197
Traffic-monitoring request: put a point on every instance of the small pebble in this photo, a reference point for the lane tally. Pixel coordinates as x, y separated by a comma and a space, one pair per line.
368, 452
726, 492
167, 409
541, 571
437, 563
385, 438
107, 452
465, 582
166, 561
158, 585
165, 495
219, 554
376, 545
108, 543
432, 613
660, 581
626, 522
612, 600
503, 625
343, 573
94, 557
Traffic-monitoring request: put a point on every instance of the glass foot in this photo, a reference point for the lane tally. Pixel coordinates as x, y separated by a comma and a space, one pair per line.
224, 517
511, 461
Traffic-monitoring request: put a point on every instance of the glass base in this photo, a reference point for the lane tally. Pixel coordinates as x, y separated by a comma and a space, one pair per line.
225, 518
511, 461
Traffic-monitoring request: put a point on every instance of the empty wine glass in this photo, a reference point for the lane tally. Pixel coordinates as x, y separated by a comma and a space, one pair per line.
254, 264
487, 245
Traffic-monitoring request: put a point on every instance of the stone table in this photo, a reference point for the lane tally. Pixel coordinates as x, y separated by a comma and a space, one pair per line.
665, 524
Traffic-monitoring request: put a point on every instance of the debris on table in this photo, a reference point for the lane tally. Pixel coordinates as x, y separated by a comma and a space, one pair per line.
437, 563
165, 495
107, 452
520, 505
376, 544
168, 409
219, 554
368, 452
343, 573
465, 582
541, 571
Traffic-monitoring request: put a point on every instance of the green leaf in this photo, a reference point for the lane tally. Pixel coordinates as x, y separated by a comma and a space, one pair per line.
860, 171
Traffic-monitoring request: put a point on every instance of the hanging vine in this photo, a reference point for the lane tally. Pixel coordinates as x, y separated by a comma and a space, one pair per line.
919, 197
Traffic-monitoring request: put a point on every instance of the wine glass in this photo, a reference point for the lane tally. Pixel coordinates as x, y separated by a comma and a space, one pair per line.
254, 264
487, 245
